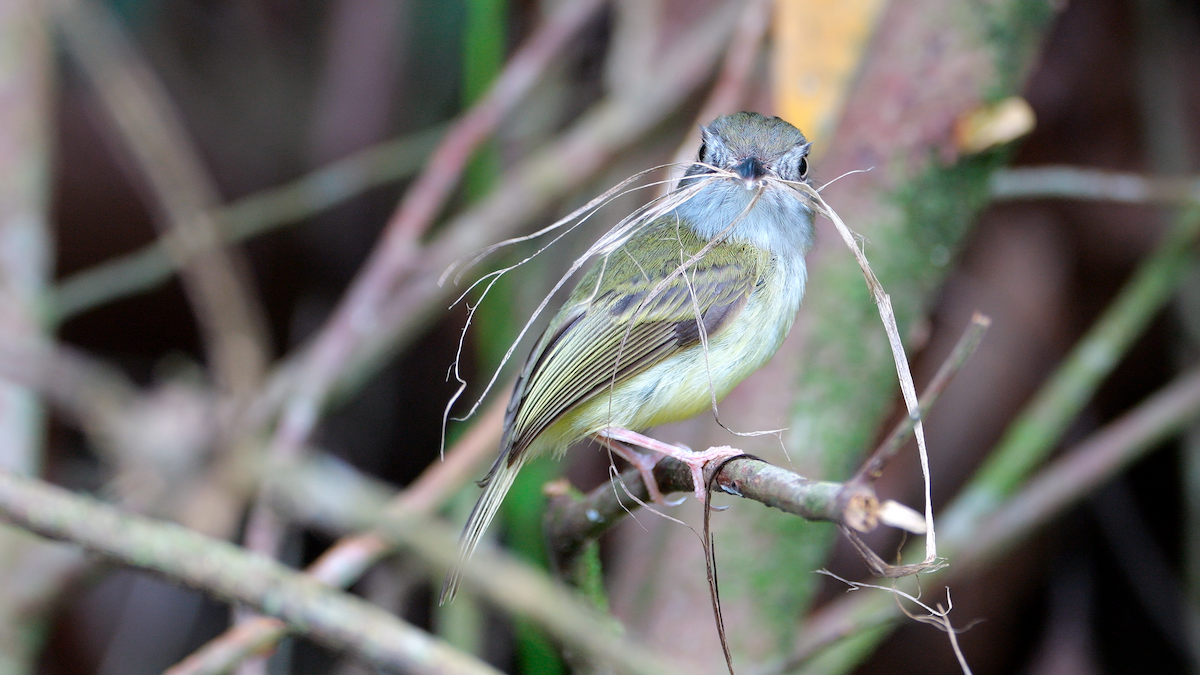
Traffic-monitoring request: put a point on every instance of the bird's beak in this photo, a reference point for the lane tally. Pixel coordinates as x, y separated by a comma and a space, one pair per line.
751, 171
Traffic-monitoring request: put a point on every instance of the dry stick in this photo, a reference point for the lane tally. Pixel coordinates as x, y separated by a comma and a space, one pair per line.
872, 469
357, 314
323, 188
571, 524
337, 619
342, 564
226, 307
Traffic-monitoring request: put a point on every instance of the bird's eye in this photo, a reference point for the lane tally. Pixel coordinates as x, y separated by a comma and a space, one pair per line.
703, 158
803, 168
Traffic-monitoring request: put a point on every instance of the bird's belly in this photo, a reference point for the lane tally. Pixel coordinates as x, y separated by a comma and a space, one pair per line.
688, 382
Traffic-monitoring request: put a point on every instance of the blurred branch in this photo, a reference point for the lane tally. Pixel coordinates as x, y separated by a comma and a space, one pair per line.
1035, 432
531, 187
33, 574
217, 285
1063, 483
88, 390
248, 217
398, 248
1072, 182
1041, 425
346, 561
335, 618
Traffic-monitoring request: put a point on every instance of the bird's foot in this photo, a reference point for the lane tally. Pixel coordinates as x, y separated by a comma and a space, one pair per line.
645, 467
695, 461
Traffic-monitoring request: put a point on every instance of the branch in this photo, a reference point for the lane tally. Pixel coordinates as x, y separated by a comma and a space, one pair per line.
572, 524
345, 562
398, 250
1061, 485
1040, 426
152, 265
339, 620
226, 307
1079, 183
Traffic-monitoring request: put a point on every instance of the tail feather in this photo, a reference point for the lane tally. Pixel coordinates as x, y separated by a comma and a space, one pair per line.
500, 479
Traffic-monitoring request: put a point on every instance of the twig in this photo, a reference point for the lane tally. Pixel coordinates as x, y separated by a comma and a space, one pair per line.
225, 306
1043, 420
1041, 424
337, 619
346, 561
536, 183
396, 252
1059, 486
1073, 182
872, 469
250, 216
571, 524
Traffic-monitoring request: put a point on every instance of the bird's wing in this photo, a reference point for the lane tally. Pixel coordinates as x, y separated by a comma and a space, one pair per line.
600, 339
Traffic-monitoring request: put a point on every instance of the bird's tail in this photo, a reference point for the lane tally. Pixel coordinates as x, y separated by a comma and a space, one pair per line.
499, 480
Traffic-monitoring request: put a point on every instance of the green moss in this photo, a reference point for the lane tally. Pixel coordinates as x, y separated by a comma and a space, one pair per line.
1014, 31
847, 379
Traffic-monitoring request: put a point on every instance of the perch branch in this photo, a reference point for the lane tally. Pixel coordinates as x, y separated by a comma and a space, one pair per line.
571, 524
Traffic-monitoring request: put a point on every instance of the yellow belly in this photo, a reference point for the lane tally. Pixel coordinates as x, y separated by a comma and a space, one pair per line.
688, 382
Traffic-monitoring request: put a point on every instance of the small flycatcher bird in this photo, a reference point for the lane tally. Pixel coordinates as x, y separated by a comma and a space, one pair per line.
667, 323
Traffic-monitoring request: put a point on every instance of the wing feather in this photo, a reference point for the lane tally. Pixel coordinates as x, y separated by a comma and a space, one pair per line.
600, 340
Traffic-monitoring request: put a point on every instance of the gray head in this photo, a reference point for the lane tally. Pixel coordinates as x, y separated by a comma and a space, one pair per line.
753, 146
761, 153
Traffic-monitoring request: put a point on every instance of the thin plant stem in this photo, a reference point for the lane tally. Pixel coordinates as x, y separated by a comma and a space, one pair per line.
1072, 182
332, 184
1034, 433
225, 304
1038, 429
337, 619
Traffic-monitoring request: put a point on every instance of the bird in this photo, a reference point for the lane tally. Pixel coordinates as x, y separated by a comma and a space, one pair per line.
665, 324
